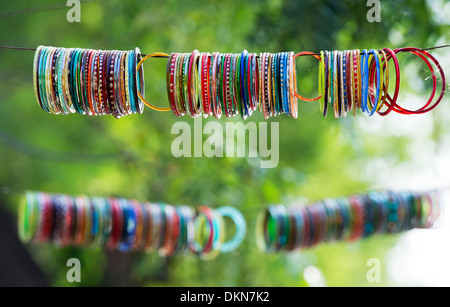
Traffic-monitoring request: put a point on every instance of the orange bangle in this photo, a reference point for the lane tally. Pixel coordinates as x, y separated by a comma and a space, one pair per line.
317, 57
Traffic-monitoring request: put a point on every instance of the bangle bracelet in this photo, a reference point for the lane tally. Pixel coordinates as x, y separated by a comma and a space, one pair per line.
364, 81
240, 225
336, 84
317, 57
217, 110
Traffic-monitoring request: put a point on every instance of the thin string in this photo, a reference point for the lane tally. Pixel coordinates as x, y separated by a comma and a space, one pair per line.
11, 191
39, 9
161, 56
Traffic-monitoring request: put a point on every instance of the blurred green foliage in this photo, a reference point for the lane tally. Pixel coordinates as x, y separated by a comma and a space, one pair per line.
131, 157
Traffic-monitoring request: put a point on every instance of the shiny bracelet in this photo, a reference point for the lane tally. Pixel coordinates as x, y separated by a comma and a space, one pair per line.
321, 83
51, 79
166, 245
170, 81
372, 106
150, 227
35, 76
204, 69
49, 74
240, 224
317, 57
120, 106
250, 87
243, 81
163, 228
193, 96
358, 81
224, 91
217, 111
276, 101
267, 87
326, 89
385, 77
73, 81
344, 82
335, 83
348, 80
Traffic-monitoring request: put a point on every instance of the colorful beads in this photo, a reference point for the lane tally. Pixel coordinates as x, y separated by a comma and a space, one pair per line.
127, 225
86, 81
345, 219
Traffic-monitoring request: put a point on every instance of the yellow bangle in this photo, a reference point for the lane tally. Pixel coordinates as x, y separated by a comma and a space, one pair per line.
138, 92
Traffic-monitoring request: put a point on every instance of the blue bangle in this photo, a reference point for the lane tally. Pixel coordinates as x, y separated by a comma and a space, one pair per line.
284, 82
332, 78
299, 225
131, 70
242, 79
41, 79
364, 80
241, 228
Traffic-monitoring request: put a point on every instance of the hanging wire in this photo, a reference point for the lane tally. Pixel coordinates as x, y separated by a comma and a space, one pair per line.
39, 9
164, 56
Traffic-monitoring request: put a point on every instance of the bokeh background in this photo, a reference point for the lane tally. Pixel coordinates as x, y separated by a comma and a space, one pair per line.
319, 157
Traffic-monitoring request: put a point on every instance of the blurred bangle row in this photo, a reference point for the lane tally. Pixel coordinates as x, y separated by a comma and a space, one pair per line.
296, 227
127, 225
87, 81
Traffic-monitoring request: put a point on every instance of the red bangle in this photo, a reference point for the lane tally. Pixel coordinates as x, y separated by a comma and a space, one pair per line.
205, 79
175, 233
114, 235
46, 219
226, 85
166, 245
67, 224
217, 110
81, 220
358, 221
422, 54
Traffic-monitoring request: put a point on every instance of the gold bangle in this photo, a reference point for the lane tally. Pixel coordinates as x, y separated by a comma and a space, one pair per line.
138, 92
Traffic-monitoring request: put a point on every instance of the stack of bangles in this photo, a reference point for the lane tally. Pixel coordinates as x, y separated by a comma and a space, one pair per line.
86, 81
127, 225
345, 219
353, 79
97, 82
